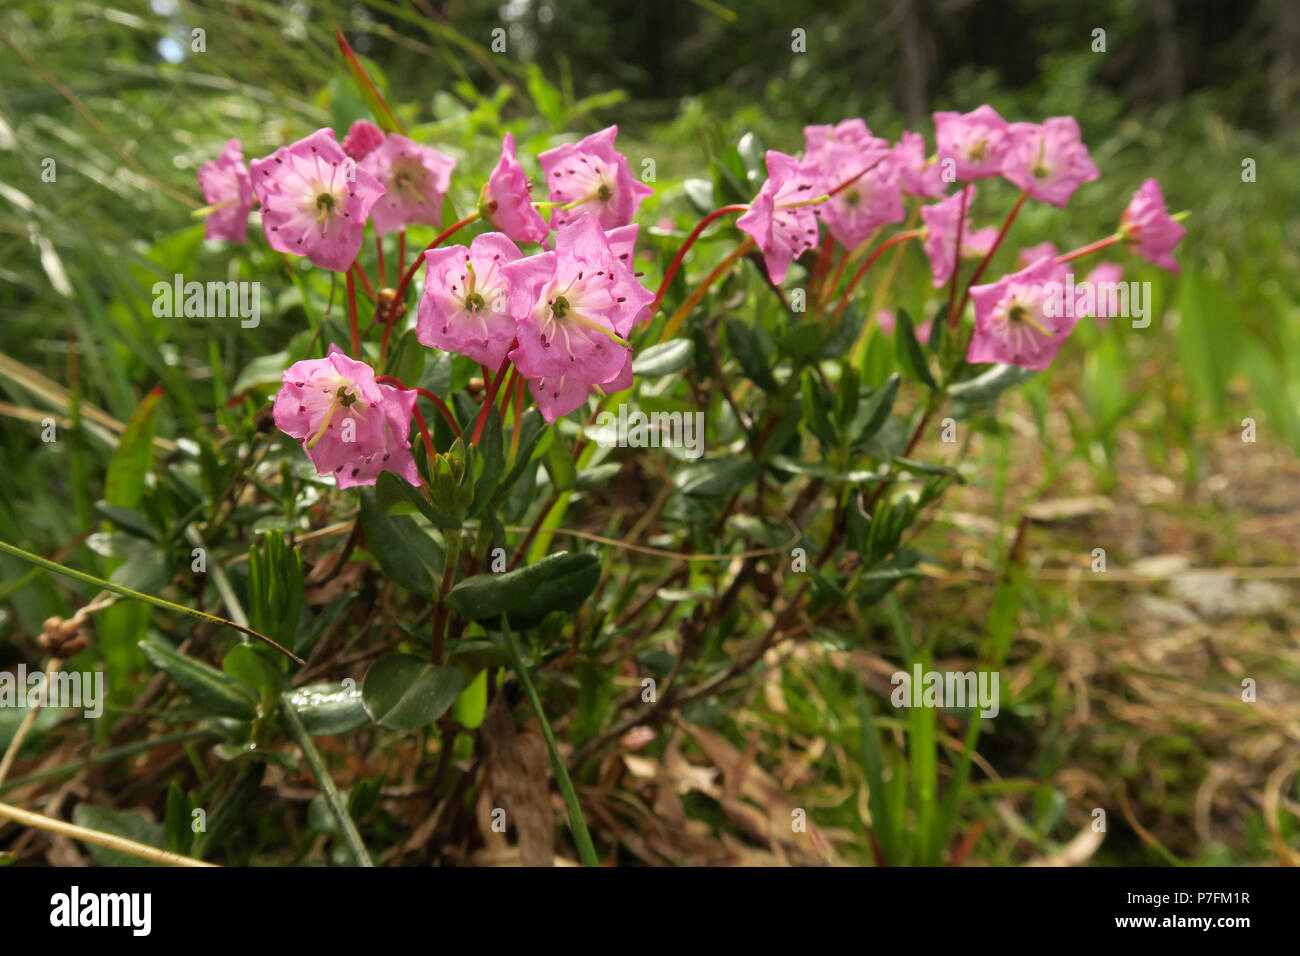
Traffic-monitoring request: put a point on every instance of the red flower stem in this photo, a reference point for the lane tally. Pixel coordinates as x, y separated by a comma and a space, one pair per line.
410, 273
379, 254
690, 241
352, 317
507, 392
491, 399
956, 255
853, 179
424, 433
361, 274
979, 269
870, 260
522, 550
719, 270
829, 289
390, 316
438, 403
519, 415
823, 264
1089, 249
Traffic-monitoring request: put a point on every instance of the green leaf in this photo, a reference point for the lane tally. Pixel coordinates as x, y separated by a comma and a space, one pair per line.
745, 346
558, 582
910, 355
990, 384
177, 819
547, 98
824, 472
883, 822
752, 156
531, 429
384, 116
128, 520
559, 463
405, 551
126, 472
491, 449
471, 706
212, 690
245, 664
146, 571
846, 399
816, 402
222, 821
844, 334
402, 692
875, 411
730, 178
664, 358
597, 475
700, 194
327, 709
276, 592
395, 495
926, 468
406, 363
715, 477
937, 328
803, 343
130, 826
263, 370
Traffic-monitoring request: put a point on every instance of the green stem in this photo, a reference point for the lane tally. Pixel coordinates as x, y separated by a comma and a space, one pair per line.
140, 596
576, 823
332, 795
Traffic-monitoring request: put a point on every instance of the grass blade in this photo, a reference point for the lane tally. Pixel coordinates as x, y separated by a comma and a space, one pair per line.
40, 562
332, 796
576, 823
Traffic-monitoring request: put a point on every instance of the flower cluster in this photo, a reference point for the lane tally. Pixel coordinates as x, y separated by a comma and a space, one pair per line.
857, 183
561, 316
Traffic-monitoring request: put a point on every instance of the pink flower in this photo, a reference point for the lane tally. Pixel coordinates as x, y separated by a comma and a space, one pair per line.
1031, 254
574, 308
1048, 160
363, 138
977, 141
558, 395
592, 177
849, 132
226, 183
940, 221
622, 242
1014, 322
916, 175
1147, 224
506, 201
1100, 281
465, 305
977, 244
782, 226
416, 177
349, 425
315, 200
871, 200
885, 321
